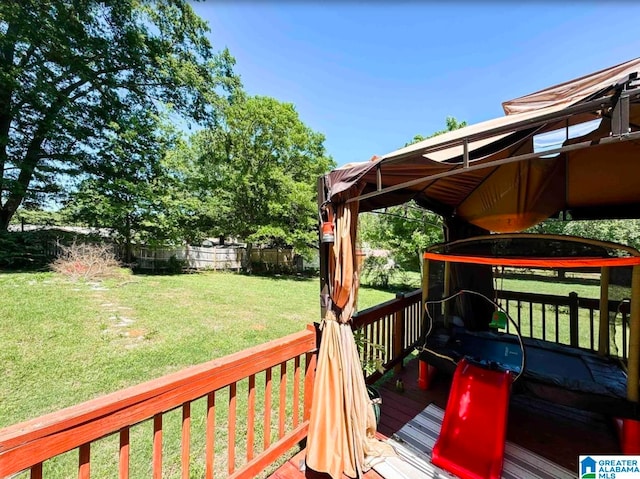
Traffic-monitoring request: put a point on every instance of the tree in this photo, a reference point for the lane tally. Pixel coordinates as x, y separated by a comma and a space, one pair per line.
261, 167
625, 232
128, 187
71, 72
36, 216
452, 124
406, 230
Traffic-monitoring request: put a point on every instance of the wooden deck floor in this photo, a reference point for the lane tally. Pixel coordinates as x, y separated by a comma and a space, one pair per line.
558, 434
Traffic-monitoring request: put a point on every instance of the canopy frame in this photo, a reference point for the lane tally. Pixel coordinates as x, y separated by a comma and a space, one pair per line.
618, 105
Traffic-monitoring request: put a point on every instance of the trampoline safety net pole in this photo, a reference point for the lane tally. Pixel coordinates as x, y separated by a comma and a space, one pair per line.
447, 292
603, 336
425, 285
634, 337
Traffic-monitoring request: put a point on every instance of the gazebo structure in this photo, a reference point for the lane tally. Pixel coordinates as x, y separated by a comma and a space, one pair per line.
569, 150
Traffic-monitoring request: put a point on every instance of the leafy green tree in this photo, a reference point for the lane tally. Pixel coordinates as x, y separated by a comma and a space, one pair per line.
261, 166
452, 124
37, 216
625, 232
128, 187
71, 72
405, 230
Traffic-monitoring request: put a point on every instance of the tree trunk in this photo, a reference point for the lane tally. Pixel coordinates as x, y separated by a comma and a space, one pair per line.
127, 245
5, 218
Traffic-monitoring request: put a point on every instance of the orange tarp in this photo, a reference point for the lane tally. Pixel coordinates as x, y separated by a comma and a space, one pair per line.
536, 262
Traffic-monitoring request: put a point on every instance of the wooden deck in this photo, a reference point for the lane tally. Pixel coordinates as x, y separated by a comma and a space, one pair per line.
558, 434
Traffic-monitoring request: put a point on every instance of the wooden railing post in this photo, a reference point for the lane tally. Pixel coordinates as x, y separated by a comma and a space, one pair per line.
573, 319
310, 372
634, 338
309, 378
398, 335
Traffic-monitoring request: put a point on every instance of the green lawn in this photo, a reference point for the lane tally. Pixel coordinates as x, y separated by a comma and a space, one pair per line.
62, 343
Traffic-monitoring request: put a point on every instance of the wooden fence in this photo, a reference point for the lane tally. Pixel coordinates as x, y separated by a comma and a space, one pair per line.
192, 257
231, 257
277, 259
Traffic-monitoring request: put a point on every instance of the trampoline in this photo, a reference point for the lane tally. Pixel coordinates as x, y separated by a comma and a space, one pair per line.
576, 377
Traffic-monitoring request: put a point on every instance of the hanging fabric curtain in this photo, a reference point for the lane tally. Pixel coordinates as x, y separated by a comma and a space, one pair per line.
342, 425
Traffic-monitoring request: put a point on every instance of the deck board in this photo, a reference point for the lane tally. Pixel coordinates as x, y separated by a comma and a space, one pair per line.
559, 435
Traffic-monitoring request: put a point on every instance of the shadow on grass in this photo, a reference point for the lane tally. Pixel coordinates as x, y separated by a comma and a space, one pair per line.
284, 276
25, 270
396, 285
552, 279
269, 275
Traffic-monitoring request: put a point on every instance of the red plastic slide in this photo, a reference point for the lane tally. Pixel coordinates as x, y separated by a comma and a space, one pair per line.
472, 437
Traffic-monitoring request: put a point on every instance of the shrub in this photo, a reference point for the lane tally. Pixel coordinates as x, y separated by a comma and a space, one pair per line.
87, 261
175, 265
377, 270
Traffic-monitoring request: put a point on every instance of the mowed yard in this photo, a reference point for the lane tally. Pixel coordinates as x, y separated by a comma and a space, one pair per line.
64, 342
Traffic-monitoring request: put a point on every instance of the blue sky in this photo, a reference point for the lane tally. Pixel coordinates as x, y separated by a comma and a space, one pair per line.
370, 76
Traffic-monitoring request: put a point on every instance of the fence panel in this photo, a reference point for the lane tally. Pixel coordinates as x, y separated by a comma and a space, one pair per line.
569, 320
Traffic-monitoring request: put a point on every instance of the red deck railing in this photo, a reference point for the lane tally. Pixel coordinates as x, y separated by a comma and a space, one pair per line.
237, 434
283, 423
391, 330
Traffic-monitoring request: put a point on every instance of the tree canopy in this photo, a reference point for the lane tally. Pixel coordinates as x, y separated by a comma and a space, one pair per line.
73, 74
452, 124
127, 185
405, 230
261, 165
625, 232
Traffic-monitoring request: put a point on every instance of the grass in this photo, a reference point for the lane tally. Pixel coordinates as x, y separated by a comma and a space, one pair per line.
62, 343
65, 342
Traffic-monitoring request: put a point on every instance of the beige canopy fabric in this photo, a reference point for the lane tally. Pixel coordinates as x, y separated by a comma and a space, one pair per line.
342, 425
507, 185
572, 91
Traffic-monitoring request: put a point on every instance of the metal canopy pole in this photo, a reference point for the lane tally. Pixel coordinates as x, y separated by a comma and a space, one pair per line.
425, 285
603, 337
323, 252
620, 115
465, 153
447, 292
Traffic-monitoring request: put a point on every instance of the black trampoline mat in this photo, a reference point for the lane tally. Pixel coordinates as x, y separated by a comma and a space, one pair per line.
559, 363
